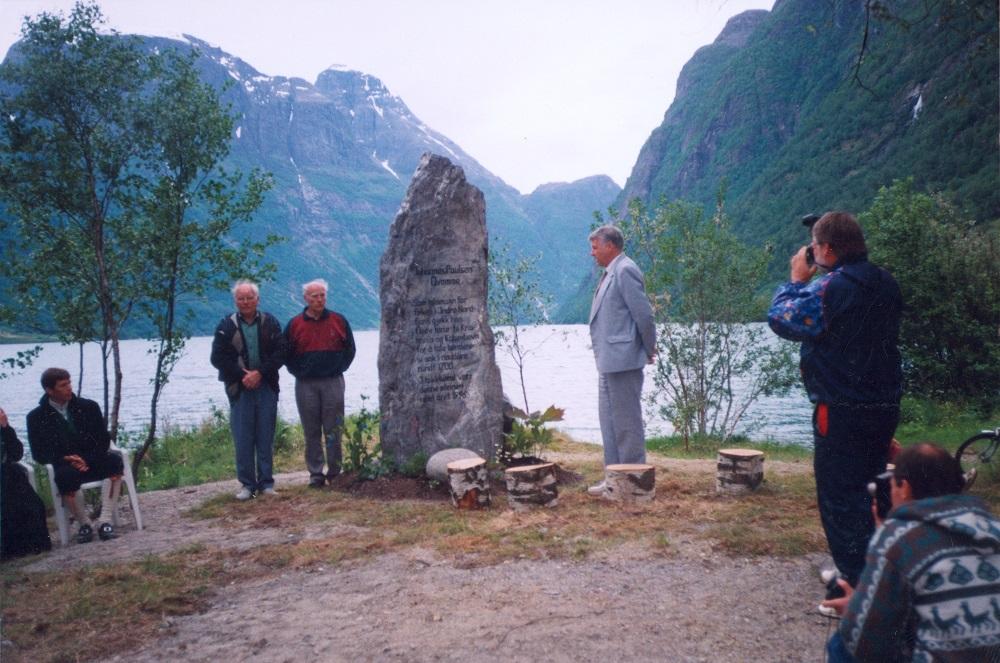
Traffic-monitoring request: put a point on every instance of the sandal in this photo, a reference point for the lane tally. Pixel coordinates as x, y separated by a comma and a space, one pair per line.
106, 531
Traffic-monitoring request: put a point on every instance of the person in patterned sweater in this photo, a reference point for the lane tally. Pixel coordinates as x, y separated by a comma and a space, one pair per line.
930, 589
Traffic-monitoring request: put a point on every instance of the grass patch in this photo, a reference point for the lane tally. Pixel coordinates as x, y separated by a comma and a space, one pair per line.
86, 613
780, 519
673, 447
206, 453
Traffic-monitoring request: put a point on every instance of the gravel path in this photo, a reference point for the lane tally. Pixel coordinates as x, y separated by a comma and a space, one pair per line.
623, 605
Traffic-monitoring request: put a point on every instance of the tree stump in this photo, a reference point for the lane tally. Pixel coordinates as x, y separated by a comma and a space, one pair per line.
630, 483
531, 486
470, 483
739, 470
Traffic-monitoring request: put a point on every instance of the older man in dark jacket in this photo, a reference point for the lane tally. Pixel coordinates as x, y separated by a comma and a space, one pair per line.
248, 349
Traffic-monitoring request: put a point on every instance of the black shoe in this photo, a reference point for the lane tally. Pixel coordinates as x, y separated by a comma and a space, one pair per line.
317, 482
85, 534
106, 532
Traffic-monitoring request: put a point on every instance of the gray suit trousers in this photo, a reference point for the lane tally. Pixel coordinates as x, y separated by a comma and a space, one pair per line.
619, 407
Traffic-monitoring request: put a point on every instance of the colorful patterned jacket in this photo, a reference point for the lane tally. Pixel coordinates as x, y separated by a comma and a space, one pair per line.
848, 323
930, 590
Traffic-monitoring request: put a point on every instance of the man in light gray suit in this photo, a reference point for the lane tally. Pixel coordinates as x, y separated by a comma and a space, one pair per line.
624, 339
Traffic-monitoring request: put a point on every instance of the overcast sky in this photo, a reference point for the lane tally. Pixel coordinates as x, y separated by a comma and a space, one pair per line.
536, 90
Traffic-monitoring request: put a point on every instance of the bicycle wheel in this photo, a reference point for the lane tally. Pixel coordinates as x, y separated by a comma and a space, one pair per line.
976, 452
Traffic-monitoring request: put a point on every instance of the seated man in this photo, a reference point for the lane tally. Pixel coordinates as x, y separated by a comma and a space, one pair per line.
931, 583
69, 433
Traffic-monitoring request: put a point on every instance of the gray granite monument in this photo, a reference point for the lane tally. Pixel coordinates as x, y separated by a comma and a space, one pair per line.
439, 385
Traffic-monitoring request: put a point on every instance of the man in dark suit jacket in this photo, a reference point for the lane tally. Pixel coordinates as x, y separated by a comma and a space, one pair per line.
624, 340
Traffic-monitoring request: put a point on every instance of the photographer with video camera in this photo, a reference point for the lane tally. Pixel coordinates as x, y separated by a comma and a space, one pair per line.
848, 323
930, 586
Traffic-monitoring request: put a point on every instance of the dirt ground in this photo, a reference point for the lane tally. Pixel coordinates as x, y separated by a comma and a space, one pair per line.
416, 605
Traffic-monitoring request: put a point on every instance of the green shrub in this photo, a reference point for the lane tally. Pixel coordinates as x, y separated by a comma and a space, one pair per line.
362, 449
415, 465
529, 436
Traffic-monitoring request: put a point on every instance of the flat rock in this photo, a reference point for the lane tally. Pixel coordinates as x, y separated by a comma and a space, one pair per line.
437, 465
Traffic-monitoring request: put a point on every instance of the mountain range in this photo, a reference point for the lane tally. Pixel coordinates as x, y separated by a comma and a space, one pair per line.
341, 152
809, 107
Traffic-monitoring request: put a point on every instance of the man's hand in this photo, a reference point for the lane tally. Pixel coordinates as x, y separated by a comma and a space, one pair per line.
840, 605
251, 379
3, 419
651, 359
78, 463
800, 271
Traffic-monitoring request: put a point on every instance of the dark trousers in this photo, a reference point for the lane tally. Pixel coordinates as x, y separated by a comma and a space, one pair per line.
851, 448
99, 466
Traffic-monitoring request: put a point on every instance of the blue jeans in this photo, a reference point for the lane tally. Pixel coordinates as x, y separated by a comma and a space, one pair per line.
849, 452
252, 417
836, 650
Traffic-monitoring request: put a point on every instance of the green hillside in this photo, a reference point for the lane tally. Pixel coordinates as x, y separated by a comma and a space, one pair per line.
773, 111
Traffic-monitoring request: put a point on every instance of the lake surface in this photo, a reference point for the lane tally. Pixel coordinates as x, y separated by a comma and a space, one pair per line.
559, 371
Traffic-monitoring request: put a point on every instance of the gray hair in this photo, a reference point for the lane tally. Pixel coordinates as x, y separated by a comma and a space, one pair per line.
315, 282
609, 235
244, 282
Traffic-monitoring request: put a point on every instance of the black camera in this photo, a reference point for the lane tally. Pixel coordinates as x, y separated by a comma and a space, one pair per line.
809, 220
879, 489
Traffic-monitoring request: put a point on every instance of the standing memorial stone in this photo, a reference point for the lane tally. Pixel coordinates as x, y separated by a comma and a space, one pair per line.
439, 385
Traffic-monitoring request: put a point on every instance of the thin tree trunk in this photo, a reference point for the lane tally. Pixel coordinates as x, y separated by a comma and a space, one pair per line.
79, 373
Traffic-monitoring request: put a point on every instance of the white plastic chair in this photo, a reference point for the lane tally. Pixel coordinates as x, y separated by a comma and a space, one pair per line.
62, 515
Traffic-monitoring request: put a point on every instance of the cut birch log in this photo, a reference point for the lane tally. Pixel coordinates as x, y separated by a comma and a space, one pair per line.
739, 470
630, 483
470, 483
532, 486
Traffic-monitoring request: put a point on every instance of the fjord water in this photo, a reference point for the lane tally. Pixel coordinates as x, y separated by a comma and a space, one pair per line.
558, 371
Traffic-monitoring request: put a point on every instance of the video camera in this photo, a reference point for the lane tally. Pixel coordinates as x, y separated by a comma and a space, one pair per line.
809, 220
879, 490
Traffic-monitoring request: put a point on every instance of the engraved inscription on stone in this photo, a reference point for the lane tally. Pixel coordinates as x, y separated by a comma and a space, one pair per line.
447, 337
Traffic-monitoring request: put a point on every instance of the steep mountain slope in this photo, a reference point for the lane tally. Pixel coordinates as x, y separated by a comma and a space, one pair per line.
772, 111
342, 152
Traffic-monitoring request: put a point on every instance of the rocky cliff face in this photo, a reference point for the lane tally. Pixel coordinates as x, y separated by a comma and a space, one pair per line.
771, 111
